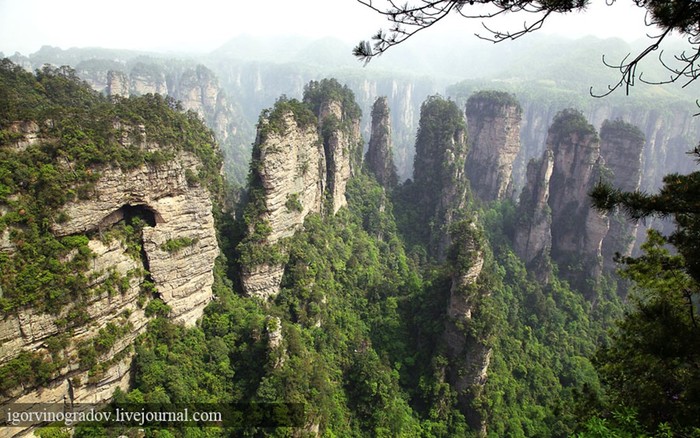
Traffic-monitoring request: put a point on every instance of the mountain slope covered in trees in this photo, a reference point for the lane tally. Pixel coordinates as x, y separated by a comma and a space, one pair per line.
399, 311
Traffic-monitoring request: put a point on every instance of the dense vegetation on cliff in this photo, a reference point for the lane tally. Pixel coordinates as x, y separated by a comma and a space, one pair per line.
77, 133
371, 299
57, 140
357, 332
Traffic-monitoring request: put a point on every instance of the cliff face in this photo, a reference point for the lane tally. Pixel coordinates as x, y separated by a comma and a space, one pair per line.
438, 170
303, 157
621, 145
669, 133
256, 85
163, 197
379, 156
290, 165
577, 229
493, 122
532, 240
339, 125
342, 144
555, 215
127, 264
404, 97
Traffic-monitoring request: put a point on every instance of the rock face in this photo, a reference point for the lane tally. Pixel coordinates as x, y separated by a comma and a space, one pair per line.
339, 125
555, 215
27, 133
292, 172
178, 210
577, 229
438, 170
117, 84
255, 84
379, 156
147, 78
172, 210
75, 381
341, 147
493, 122
290, 166
303, 157
469, 356
532, 240
621, 145
670, 131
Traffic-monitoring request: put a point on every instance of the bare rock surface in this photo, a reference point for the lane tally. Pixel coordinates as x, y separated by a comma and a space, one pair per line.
493, 123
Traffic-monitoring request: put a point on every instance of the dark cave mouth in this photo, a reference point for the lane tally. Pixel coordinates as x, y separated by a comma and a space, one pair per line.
128, 213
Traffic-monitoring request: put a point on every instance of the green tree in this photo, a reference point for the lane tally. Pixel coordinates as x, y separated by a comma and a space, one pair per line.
652, 364
677, 199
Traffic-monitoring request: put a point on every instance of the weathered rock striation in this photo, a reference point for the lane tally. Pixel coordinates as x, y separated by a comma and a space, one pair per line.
379, 156
438, 171
289, 169
621, 145
170, 209
532, 240
78, 380
577, 229
493, 124
303, 157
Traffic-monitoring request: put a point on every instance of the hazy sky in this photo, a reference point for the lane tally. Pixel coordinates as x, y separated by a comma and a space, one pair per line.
26, 25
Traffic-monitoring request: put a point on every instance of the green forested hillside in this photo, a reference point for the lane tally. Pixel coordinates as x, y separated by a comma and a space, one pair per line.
357, 333
362, 322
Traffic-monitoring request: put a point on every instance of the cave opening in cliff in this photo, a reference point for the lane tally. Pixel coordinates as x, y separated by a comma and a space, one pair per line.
128, 213
137, 217
142, 212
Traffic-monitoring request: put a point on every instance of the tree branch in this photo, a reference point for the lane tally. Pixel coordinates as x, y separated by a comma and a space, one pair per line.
409, 19
628, 70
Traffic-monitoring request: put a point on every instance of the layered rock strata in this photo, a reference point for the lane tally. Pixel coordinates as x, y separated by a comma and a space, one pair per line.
178, 210
290, 166
113, 306
303, 157
493, 124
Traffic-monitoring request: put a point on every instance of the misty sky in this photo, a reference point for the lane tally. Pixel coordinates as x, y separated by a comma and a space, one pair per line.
203, 25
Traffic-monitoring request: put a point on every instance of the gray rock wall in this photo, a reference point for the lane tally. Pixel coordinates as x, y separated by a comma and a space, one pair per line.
183, 278
493, 123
